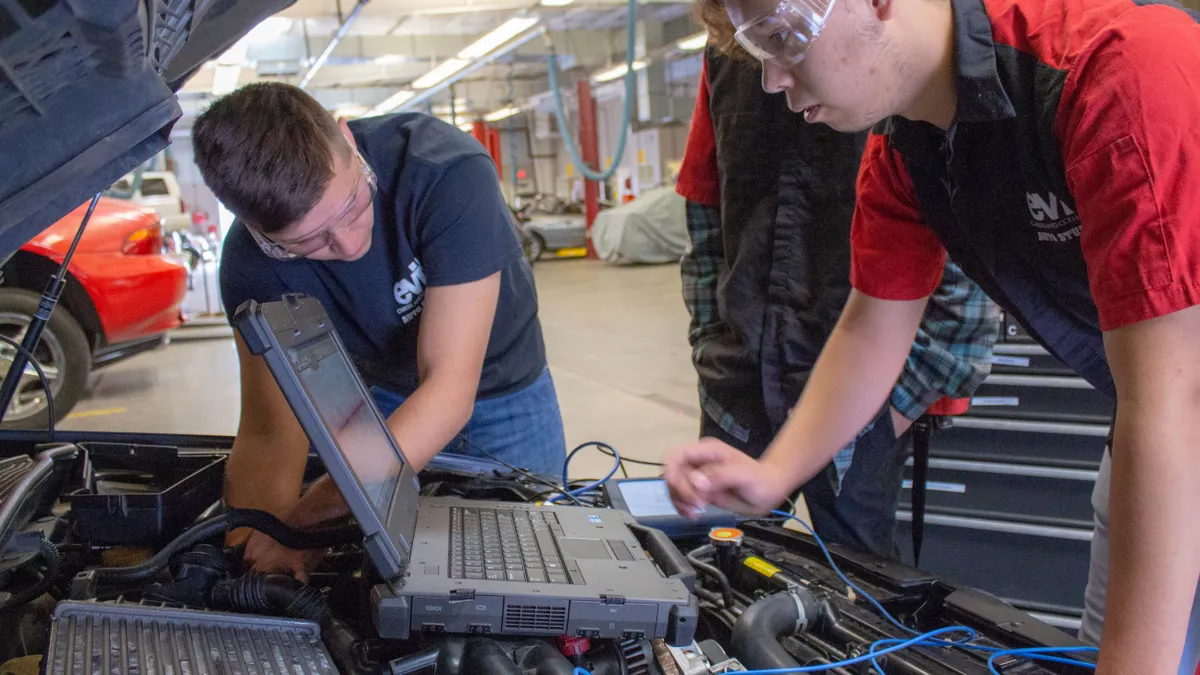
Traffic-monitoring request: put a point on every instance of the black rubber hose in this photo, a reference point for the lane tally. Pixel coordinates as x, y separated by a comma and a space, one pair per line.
755, 638
349, 651
543, 658
275, 594
49, 554
230, 520
718, 575
487, 656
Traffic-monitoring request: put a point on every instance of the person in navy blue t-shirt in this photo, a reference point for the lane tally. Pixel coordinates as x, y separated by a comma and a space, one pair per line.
397, 226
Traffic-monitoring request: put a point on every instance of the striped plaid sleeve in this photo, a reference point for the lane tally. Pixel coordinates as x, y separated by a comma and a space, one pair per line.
699, 269
952, 353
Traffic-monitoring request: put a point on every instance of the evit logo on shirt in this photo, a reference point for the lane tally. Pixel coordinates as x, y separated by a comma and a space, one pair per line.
1054, 218
410, 293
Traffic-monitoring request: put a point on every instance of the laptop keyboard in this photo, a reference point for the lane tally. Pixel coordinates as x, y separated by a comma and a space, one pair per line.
508, 545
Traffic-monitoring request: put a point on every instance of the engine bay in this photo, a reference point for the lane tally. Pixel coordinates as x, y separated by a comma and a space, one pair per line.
112, 560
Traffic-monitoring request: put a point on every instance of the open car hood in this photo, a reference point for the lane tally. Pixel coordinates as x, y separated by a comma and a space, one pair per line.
87, 93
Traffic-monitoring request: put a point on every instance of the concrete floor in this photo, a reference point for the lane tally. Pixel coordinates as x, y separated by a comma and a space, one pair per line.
617, 344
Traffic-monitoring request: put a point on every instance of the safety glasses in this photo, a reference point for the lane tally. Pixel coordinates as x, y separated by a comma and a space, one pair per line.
784, 34
323, 237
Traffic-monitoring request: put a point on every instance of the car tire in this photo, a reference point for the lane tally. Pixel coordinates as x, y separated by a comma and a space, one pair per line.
63, 341
536, 247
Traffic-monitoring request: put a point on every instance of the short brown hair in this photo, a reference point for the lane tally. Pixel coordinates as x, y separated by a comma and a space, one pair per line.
266, 151
712, 14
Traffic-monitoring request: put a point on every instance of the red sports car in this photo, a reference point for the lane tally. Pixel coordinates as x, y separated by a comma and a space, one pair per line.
122, 296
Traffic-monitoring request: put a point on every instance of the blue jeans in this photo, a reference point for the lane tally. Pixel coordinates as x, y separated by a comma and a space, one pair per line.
523, 428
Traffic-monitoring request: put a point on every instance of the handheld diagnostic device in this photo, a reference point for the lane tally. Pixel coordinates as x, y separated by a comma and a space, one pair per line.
649, 502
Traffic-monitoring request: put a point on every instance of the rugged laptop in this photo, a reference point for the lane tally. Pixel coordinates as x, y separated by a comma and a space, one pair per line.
454, 565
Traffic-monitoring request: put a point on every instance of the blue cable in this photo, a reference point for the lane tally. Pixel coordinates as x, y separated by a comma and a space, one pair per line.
592, 486
626, 116
963, 643
920, 639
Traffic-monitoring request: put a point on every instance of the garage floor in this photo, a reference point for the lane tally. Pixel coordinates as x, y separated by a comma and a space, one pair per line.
617, 342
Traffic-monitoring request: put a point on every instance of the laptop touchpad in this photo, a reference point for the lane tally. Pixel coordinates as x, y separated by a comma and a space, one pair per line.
584, 549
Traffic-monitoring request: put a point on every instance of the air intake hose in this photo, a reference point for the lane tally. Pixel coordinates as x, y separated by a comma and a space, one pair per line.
755, 639
275, 594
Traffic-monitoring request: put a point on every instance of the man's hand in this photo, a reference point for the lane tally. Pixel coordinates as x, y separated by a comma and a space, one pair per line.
321, 504
712, 472
264, 554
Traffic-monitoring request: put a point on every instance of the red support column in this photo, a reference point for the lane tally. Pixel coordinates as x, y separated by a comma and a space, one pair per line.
589, 145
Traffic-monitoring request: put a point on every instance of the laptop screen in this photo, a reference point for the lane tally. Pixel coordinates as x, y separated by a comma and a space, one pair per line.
329, 380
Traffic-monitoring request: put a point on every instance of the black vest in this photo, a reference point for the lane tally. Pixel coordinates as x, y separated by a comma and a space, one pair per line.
787, 201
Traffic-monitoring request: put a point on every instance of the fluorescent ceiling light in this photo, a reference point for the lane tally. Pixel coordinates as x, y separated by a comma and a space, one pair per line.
270, 29
389, 59
503, 113
225, 79
617, 72
392, 102
441, 73
556, 3
507, 31
691, 44
469, 127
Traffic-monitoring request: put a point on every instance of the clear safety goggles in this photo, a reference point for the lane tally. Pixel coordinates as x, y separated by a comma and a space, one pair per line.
348, 215
784, 34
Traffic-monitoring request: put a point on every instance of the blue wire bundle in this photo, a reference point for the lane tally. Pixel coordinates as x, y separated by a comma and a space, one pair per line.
930, 639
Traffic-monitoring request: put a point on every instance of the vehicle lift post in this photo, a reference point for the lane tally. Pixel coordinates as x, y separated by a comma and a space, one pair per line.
589, 145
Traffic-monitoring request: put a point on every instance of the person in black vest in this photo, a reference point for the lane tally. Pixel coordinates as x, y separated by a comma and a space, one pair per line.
1051, 148
397, 226
765, 277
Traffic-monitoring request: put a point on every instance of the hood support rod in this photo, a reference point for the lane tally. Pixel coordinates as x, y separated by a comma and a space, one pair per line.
33, 334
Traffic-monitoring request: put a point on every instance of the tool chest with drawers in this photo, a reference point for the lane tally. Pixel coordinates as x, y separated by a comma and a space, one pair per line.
1008, 492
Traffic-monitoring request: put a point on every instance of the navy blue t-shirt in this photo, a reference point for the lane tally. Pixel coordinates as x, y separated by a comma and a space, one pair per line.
440, 220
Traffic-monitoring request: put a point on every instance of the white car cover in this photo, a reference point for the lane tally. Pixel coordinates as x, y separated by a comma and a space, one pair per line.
650, 229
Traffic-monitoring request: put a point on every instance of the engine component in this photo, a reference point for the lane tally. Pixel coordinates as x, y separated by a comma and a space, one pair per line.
573, 647
49, 576
100, 639
637, 656
727, 544
468, 656
142, 495
543, 658
276, 594
195, 574
706, 658
482, 655
756, 634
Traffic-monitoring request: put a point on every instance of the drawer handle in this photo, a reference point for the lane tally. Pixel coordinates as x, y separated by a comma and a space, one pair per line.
1000, 526
1038, 381
1012, 469
1062, 428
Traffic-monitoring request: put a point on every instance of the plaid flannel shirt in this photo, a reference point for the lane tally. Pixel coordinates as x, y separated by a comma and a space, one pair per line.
951, 354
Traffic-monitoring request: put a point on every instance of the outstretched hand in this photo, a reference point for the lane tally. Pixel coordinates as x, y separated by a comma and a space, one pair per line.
710, 472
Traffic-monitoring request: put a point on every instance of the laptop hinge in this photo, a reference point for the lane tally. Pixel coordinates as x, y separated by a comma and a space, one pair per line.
462, 594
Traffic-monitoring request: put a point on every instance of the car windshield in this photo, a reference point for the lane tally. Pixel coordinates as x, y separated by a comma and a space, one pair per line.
154, 187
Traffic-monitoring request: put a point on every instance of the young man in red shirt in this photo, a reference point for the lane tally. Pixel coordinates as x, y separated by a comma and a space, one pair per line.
1050, 146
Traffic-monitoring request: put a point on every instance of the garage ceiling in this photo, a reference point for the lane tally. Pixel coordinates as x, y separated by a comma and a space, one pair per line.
386, 46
